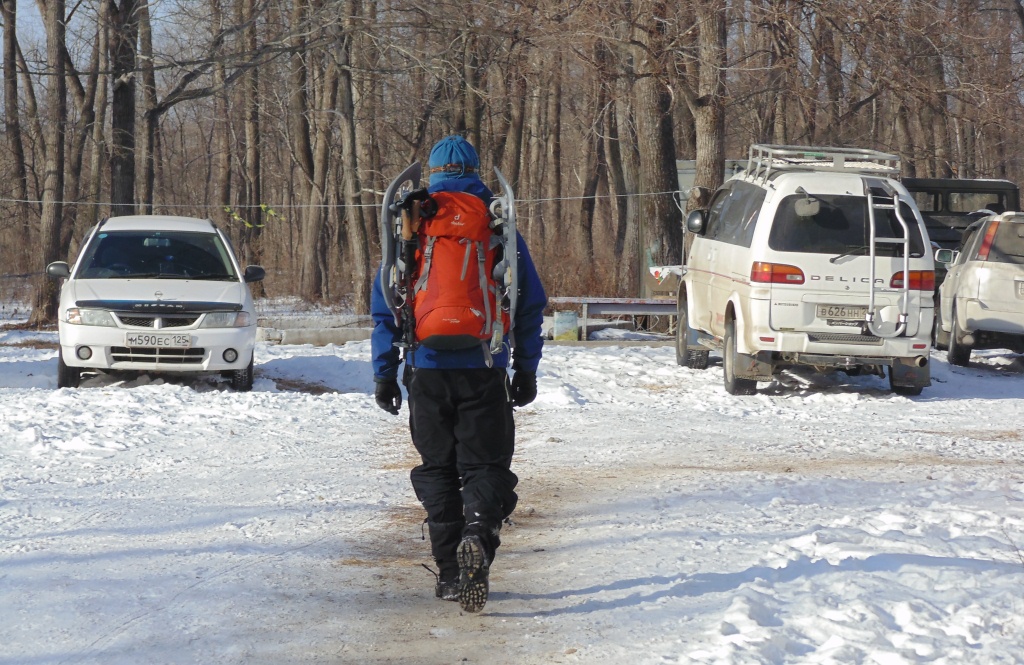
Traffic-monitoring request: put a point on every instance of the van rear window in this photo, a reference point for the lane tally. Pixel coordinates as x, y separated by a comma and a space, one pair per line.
839, 224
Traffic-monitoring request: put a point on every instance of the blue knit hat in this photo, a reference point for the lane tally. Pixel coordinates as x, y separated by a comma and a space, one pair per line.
452, 157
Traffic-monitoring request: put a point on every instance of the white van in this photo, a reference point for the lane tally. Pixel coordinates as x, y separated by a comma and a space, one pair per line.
814, 257
156, 293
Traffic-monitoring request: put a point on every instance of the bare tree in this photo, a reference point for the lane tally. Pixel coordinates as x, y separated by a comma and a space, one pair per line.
44, 305
124, 21
12, 120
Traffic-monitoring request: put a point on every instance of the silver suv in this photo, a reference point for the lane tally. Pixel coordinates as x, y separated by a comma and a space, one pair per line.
982, 297
811, 256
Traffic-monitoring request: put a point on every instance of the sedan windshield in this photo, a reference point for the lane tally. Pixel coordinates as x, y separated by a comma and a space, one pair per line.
156, 255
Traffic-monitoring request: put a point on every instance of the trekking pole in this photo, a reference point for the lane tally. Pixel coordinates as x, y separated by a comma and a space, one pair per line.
410, 243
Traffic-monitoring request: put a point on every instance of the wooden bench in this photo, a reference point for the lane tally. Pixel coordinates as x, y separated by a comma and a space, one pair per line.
616, 307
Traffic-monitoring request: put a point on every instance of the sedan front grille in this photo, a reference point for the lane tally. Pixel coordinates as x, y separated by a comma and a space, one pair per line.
143, 354
177, 321
138, 321
158, 321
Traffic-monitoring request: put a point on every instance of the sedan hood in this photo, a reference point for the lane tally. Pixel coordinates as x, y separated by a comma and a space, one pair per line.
158, 294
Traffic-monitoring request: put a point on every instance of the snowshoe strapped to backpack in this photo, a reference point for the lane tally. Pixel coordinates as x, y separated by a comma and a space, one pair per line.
456, 300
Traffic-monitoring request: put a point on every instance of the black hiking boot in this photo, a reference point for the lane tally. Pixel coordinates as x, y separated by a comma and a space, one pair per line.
473, 569
447, 586
444, 545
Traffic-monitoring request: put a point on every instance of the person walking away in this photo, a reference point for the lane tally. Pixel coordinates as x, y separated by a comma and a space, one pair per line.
461, 406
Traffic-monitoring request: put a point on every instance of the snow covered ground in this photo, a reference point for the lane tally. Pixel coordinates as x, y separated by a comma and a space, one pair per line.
661, 520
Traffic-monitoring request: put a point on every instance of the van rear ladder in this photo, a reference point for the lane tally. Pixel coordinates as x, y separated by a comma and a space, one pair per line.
882, 197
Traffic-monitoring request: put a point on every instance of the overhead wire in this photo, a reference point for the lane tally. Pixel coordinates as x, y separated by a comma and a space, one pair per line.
301, 206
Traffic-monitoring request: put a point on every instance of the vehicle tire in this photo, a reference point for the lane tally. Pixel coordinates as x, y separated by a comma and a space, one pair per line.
733, 385
241, 379
909, 391
685, 356
67, 377
958, 354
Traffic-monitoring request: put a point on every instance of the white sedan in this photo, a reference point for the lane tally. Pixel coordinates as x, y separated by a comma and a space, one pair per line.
156, 293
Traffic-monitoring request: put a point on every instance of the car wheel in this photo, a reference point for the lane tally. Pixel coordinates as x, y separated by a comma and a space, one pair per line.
685, 356
241, 379
958, 354
67, 377
733, 385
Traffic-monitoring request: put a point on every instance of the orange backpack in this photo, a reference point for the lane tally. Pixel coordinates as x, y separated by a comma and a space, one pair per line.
456, 301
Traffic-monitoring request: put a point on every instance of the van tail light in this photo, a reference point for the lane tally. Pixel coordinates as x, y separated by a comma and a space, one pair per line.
986, 244
775, 273
920, 280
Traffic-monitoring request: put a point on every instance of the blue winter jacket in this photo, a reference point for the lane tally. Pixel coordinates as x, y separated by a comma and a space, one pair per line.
530, 305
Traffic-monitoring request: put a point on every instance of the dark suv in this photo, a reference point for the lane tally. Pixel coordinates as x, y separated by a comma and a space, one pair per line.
950, 205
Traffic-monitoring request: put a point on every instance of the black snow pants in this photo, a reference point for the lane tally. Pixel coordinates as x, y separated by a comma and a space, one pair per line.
462, 426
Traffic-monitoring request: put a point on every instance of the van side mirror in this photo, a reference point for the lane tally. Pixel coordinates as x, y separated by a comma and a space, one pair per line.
58, 270
254, 274
946, 256
696, 222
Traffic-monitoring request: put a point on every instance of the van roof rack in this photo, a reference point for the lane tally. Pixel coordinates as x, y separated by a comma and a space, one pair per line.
765, 159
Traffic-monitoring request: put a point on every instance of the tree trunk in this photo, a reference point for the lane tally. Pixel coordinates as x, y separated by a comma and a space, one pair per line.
90, 215
622, 152
553, 224
124, 36
660, 230
252, 233
709, 112
358, 221
12, 122
513, 151
472, 106
146, 152
221, 176
85, 105
310, 278
314, 286
44, 305
581, 233
533, 165
905, 142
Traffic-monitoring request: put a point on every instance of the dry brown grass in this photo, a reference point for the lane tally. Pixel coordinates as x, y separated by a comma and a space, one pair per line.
300, 386
31, 344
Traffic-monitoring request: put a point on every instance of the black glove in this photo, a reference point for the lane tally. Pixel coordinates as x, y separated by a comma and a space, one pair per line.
524, 388
388, 396
428, 206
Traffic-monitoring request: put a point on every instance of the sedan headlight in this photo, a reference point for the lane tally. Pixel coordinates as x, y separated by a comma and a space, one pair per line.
226, 320
90, 317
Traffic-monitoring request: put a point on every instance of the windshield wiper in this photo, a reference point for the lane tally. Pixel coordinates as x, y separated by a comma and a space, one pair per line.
155, 275
849, 252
